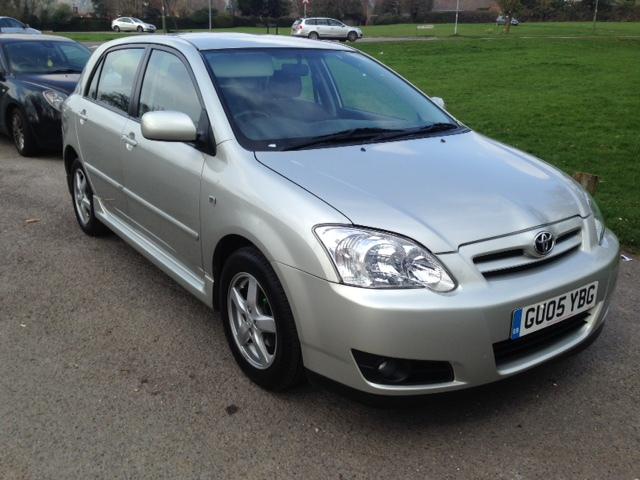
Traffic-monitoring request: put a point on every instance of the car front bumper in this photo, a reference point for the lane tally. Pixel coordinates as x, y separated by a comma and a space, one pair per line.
460, 327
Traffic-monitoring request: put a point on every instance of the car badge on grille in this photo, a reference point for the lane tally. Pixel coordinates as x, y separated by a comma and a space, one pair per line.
543, 243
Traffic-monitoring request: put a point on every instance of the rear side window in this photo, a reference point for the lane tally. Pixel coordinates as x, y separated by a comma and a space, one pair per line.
311, 22
118, 73
167, 86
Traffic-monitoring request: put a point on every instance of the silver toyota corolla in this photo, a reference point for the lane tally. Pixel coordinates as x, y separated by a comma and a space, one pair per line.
341, 220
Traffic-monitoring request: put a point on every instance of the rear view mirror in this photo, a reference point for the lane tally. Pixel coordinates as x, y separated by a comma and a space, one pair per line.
168, 127
439, 102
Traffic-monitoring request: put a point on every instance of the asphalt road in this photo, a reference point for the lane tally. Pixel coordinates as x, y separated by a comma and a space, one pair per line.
108, 369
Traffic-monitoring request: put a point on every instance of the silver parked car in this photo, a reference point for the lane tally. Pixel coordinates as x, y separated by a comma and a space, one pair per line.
501, 20
11, 25
131, 24
325, 28
338, 218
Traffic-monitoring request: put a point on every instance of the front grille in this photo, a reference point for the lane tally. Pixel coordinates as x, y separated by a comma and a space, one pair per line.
497, 262
510, 350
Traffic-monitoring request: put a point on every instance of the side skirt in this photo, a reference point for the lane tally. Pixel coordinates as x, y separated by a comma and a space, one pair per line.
200, 286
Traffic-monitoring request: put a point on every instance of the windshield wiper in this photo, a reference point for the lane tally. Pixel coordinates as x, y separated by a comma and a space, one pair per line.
374, 134
410, 132
63, 70
342, 136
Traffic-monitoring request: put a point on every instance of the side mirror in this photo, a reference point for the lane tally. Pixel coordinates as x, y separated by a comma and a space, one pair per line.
168, 127
439, 102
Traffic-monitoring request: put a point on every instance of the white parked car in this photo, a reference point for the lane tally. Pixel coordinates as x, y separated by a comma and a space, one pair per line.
131, 24
11, 25
327, 28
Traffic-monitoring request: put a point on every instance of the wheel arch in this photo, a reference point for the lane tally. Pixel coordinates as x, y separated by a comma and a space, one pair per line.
223, 250
69, 156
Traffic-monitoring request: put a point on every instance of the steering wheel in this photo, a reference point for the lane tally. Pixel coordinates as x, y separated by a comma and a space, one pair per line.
255, 113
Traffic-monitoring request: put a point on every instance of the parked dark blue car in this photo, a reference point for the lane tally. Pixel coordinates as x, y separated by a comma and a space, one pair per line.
37, 72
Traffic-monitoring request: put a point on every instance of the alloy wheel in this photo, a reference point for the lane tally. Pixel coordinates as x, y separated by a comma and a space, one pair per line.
81, 196
17, 130
252, 322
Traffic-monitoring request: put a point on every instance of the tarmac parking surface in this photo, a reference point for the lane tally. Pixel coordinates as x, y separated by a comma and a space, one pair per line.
108, 369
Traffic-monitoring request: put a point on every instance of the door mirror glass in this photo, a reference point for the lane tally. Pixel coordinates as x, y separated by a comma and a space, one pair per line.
439, 102
168, 127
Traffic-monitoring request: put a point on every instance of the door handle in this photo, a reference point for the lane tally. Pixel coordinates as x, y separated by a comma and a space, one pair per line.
83, 116
129, 140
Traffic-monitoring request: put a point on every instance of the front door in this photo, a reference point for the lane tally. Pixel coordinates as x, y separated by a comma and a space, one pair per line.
163, 178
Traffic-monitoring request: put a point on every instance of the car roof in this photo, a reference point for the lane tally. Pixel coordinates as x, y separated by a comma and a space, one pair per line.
221, 41
34, 38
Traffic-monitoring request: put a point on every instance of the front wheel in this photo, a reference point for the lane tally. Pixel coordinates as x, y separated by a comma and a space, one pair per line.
23, 138
82, 196
140, 29
258, 321
116, 29
353, 36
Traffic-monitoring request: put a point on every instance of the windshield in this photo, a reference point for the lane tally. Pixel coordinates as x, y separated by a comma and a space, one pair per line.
43, 57
277, 99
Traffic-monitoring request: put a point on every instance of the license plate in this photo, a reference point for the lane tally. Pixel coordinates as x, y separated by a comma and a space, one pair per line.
540, 315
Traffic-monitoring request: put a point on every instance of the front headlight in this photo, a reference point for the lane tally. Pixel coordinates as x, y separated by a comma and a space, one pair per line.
373, 259
597, 217
54, 98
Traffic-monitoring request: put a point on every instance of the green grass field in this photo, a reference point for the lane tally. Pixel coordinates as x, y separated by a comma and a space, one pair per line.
574, 102
439, 30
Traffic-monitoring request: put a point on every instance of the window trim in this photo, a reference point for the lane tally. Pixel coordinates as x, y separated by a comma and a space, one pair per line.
98, 70
135, 98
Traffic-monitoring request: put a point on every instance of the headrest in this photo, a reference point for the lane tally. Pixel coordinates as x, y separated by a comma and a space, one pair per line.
242, 64
285, 85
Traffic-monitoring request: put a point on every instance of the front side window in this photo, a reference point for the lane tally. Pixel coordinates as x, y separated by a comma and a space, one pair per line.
46, 57
167, 86
283, 98
118, 73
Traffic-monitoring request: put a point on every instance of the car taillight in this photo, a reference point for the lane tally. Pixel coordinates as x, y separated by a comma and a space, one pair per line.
299, 27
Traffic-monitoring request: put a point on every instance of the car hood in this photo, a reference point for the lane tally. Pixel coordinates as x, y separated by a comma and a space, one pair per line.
442, 191
64, 82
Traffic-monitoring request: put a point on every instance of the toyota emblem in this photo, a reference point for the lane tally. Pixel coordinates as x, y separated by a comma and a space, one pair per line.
543, 243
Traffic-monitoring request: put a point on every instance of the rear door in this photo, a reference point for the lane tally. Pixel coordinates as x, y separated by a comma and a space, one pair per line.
101, 116
163, 178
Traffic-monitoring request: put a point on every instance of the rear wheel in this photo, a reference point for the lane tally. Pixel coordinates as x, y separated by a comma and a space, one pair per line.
140, 29
83, 202
313, 36
22, 136
353, 36
116, 29
258, 321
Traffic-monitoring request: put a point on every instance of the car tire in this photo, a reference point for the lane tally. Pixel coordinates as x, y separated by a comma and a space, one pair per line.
23, 138
314, 36
82, 199
352, 36
267, 350
140, 29
116, 29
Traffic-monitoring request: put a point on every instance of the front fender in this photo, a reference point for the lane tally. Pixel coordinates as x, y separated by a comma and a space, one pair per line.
240, 196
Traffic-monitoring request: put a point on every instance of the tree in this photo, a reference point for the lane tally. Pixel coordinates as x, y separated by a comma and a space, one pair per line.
254, 8
62, 14
509, 8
